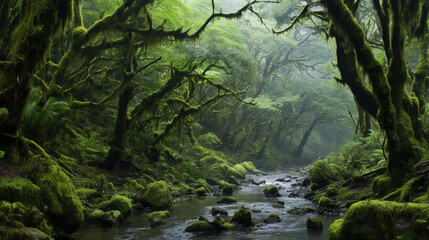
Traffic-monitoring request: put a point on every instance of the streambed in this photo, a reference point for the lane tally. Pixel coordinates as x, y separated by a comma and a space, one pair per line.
189, 208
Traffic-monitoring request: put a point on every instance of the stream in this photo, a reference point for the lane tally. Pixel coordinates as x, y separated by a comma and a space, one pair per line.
189, 208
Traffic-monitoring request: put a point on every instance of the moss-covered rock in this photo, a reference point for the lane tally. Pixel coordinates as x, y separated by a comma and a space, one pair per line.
326, 202
381, 185
157, 195
273, 218
218, 211
19, 190
248, 166
271, 191
224, 170
279, 205
23, 233
157, 218
241, 170
372, 219
88, 194
314, 224
220, 225
322, 175
242, 216
227, 200
202, 183
200, 226
58, 194
109, 219
17, 215
228, 189
201, 191
117, 202
301, 211
233, 180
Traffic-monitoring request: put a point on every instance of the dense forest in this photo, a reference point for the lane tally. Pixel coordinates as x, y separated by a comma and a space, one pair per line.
128, 119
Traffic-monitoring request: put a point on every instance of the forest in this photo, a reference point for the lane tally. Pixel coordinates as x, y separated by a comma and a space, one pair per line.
214, 119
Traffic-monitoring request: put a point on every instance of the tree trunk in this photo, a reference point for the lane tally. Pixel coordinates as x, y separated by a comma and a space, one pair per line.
305, 137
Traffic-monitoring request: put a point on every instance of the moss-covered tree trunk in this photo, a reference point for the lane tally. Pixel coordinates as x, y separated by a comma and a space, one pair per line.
396, 109
306, 135
39, 21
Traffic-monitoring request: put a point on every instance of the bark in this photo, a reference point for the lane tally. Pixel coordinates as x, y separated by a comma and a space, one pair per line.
306, 135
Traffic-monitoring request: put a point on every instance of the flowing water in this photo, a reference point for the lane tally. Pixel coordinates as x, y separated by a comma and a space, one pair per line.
189, 208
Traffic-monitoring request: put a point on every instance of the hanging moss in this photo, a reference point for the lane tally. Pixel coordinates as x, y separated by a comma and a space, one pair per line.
59, 195
382, 220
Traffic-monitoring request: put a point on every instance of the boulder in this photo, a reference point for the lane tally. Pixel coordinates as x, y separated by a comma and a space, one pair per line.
273, 218
227, 200
218, 211
233, 180
373, 219
157, 218
243, 217
228, 189
326, 202
271, 191
117, 202
157, 195
314, 224
301, 211
279, 205
200, 226
257, 182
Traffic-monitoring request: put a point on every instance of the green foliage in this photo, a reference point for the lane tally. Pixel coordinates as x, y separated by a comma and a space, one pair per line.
19, 189
42, 123
209, 140
383, 218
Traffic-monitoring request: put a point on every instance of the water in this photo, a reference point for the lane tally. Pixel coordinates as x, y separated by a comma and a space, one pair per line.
188, 209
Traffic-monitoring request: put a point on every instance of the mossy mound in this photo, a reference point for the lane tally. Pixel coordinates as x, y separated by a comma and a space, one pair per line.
248, 166
23, 233
157, 195
373, 219
200, 226
381, 185
233, 180
19, 215
19, 190
225, 171
228, 189
241, 170
58, 194
326, 202
271, 191
322, 174
202, 183
117, 202
273, 218
88, 194
109, 219
314, 224
227, 200
242, 216
220, 225
201, 191
157, 218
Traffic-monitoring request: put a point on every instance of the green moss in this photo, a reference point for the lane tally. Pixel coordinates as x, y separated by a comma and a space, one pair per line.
228, 189
326, 202
220, 225
381, 185
271, 191
24, 233
331, 190
233, 180
373, 219
202, 183
87, 194
59, 195
19, 189
136, 186
187, 178
210, 160
334, 231
248, 166
314, 224
227, 200
200, 226
157, 195
117, 202
201, 191
209, 140
273, 218
241, 170
242, 216
159, 214
321, 174
224, 170
4, 114
19, 215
